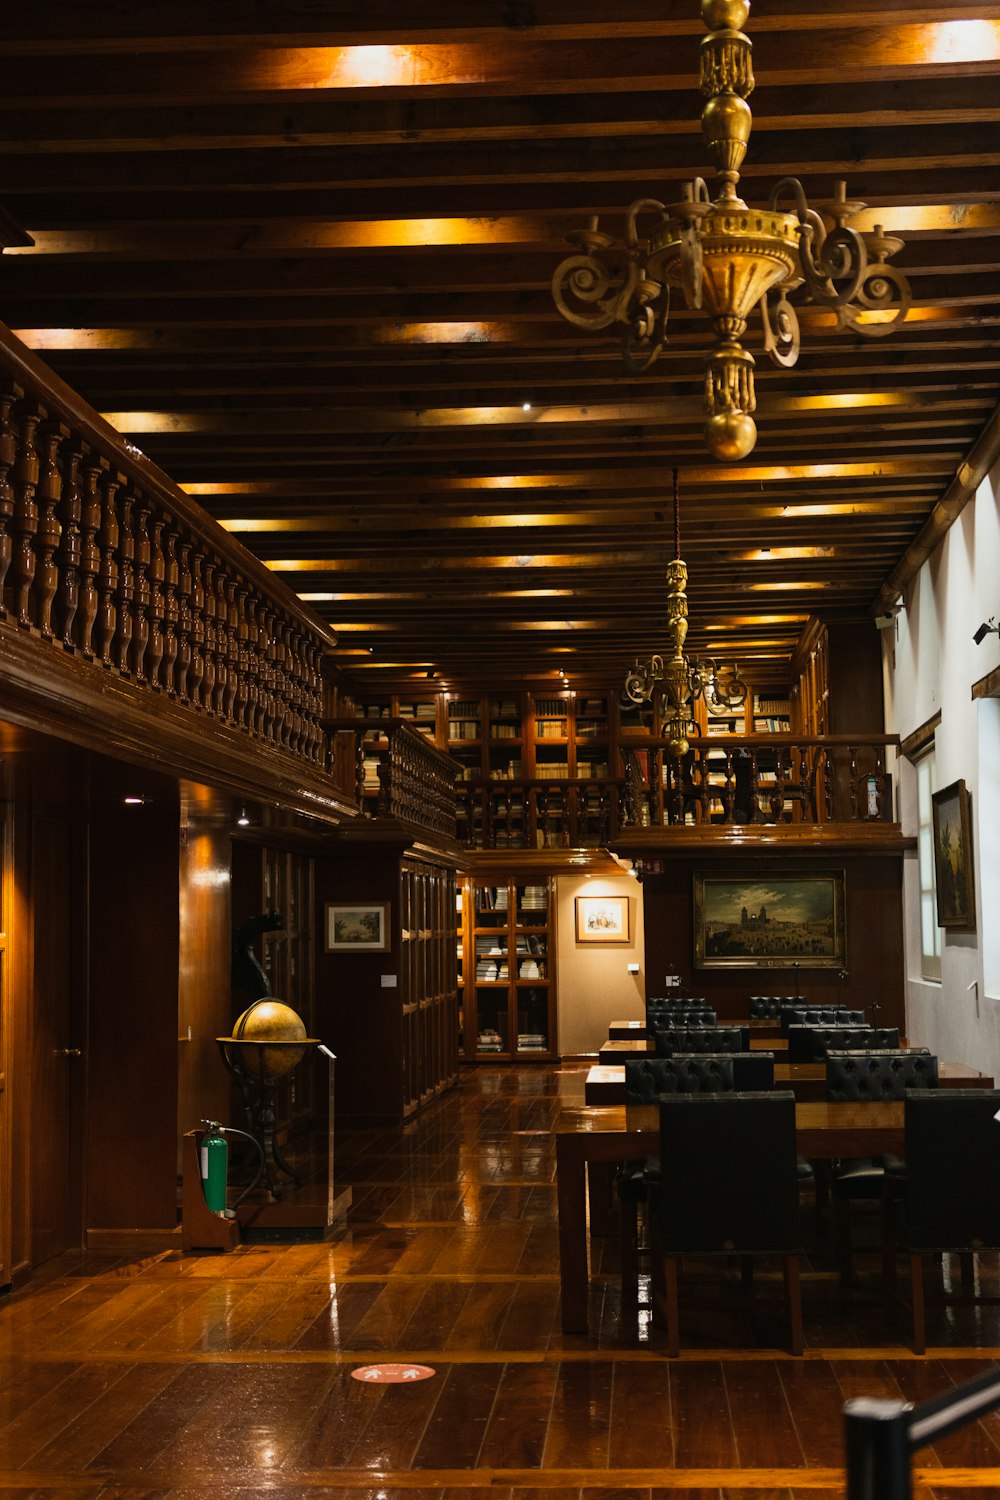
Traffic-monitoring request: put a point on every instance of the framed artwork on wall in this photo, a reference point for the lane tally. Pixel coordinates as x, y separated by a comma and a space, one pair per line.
356, 927
602, 919
953, 870
769, 921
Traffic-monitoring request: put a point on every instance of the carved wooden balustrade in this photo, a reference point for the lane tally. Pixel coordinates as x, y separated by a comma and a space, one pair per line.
397, 773
546, 814
107, 562
762, 779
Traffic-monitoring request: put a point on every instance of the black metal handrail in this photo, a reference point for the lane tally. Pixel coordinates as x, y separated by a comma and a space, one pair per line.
880, 1436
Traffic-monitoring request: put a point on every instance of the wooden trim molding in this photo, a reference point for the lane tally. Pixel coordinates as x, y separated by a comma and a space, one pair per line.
988, 686
919, 742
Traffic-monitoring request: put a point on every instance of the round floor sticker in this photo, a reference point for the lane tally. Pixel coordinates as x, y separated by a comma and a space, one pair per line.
392, 1374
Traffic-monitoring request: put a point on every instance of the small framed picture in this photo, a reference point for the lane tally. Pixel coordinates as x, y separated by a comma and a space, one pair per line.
602, 919
357, 927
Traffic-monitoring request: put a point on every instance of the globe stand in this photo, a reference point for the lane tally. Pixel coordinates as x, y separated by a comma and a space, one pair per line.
258, 1089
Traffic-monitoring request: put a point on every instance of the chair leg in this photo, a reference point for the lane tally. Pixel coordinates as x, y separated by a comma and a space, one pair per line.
793, 1294
842, 1238
672, 1305
917, 1299
968, 1270
629, 1219
889, 1269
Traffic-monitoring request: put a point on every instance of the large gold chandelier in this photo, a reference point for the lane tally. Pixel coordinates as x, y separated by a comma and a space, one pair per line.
674, 682
729, 258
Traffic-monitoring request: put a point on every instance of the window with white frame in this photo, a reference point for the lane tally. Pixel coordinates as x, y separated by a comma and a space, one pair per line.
930, 932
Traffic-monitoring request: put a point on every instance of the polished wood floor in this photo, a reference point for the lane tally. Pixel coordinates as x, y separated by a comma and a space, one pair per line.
188, 1376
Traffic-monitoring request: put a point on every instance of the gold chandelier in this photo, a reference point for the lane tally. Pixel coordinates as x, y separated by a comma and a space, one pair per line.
676, 681
729, 258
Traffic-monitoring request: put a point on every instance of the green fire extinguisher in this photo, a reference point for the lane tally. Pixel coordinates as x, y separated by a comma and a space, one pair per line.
214, 1160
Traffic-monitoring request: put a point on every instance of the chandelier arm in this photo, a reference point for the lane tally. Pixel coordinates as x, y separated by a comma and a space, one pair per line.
646, 331
884, 289
641, 205
585, 279
781, 339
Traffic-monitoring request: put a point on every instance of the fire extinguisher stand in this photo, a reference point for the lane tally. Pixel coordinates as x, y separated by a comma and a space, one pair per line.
201, 1229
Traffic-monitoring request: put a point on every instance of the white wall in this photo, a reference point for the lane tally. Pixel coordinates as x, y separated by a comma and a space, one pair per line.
930, 664
594, 985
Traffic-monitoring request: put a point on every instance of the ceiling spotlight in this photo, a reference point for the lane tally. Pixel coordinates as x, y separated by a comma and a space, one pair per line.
243, 821
525, 405
988, 627
134, 801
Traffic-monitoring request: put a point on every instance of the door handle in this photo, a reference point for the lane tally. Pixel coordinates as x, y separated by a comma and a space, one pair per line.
68, 1052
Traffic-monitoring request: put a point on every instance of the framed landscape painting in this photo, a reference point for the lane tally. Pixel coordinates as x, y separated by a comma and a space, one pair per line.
357, 927
953, 872
769, 921
602, 919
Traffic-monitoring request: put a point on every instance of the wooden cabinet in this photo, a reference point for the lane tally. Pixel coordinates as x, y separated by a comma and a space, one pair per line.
508, 990
427, 983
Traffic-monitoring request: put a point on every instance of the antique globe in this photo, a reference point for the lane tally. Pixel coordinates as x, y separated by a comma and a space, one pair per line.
267, 1021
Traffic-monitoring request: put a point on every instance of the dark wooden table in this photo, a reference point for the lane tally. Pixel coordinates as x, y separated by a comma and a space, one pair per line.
606, 1081
625, 1133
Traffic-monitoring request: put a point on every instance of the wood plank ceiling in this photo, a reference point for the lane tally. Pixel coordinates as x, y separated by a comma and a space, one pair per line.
300, 253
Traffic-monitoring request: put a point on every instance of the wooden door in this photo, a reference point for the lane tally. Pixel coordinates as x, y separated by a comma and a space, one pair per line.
57, 1050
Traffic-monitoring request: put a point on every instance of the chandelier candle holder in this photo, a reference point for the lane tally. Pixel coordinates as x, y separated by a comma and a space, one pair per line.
728, 259
676, 679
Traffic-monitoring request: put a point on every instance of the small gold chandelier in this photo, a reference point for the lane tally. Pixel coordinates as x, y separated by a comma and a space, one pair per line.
729, 258
677, 681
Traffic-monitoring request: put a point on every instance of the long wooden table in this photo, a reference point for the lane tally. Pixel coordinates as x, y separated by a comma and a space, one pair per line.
625, 1133
606, 1082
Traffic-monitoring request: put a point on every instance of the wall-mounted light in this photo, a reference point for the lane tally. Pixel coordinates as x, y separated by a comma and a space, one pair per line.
134, 801
988, 627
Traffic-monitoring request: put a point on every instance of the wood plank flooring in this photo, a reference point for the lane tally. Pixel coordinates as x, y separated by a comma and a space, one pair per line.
178, 1377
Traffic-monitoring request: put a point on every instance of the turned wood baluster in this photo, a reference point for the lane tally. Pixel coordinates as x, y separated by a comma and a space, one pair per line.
239, 644
49, 492
71, 546
171, 610
827, 785
222, 666
300, 738
281, 709
107, 581
269, 674
24, 523
8, 454
852, 755
704, 792
90, 555
729, 787
140, 588
157, 575
260, 653
126, 582
207, 572
778, 794
230, 613
295, 722
185, 621
316, 704
201, 688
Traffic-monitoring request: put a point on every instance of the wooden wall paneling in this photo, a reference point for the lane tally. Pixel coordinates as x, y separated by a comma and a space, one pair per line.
205, 949
855, 679
134, 874
356, 1016
874, 934
6, 912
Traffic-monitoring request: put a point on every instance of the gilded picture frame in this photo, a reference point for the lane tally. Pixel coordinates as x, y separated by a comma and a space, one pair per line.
356, 927
770, 921
602, 919
954, 873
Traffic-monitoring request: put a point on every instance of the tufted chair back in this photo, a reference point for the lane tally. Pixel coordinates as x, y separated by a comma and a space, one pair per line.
679, 1013
952, 1165
647, 1079
671, 1039
819, 1015
879, 1075
810, 1044
753, 1072
768, 1007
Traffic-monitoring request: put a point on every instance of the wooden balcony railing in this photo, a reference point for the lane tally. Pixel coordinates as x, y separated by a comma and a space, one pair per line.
546, 814
762, 779
106, 561
396, 773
